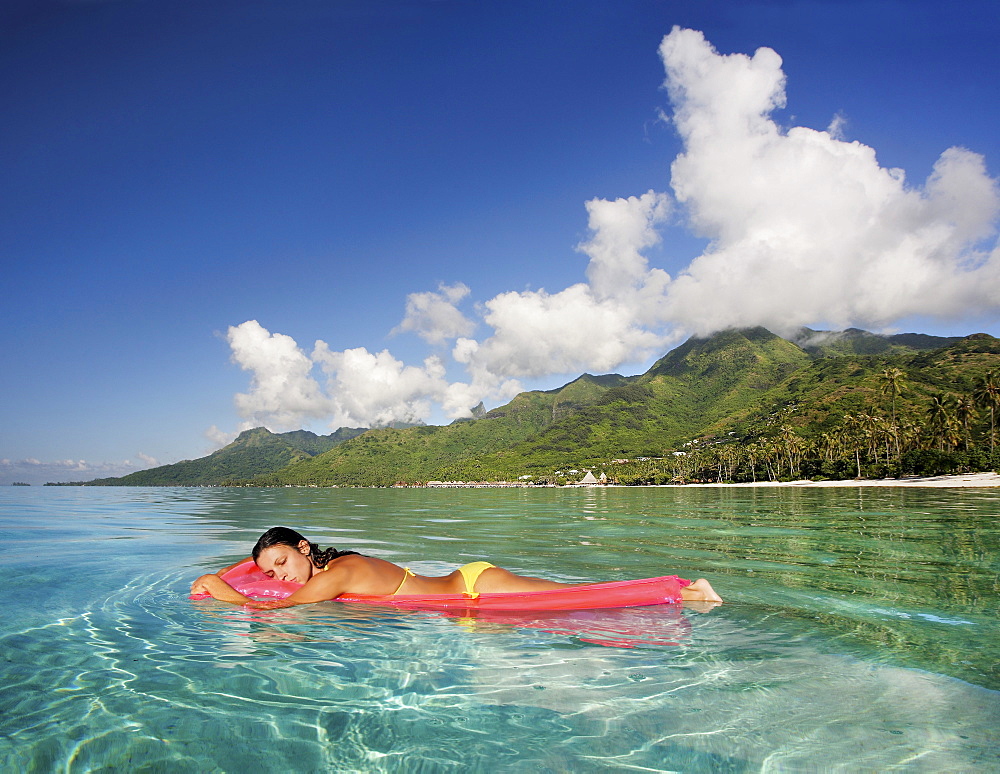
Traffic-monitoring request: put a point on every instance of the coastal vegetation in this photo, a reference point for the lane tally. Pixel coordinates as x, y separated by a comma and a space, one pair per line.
742, 405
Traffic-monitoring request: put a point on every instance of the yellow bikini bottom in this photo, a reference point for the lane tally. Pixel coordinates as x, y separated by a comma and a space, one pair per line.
470, 574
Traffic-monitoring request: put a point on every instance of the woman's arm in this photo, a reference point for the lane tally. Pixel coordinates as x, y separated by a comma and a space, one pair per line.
214, 586
321, 587
217, 574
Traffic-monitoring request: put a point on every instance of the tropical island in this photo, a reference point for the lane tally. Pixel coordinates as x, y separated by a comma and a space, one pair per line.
741, 406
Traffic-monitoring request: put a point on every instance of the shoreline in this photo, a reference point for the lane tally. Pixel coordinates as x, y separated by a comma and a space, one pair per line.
958, 480
951, 481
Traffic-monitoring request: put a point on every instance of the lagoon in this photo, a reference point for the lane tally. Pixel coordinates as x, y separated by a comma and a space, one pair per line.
860, 632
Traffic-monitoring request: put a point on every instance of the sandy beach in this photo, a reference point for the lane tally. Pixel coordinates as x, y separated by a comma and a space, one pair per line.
961, 480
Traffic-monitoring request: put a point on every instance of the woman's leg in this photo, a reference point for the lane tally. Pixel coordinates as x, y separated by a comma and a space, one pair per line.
497, 580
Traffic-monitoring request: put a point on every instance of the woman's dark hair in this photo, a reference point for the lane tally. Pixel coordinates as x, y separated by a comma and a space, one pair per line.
283, 536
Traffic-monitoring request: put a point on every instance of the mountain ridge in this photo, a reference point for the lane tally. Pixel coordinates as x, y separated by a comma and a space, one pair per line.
739, 383
254, 452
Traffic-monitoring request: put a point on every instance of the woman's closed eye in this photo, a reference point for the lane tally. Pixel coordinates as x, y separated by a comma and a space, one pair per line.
277, 564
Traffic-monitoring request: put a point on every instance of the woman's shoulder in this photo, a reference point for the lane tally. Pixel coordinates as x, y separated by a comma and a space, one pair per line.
358, 574
349, 561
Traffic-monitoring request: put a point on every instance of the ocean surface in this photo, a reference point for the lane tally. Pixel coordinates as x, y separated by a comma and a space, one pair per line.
860, 633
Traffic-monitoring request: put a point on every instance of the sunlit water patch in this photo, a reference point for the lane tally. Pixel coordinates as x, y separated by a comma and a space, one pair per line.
860, 633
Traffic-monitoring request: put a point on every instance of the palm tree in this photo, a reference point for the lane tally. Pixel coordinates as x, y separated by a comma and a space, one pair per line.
987, 394
965, 412
826, 446
939, 418
854, 436
753, 453
909, 434
892, 385
792, 445
727, 458
872, 426
771, 457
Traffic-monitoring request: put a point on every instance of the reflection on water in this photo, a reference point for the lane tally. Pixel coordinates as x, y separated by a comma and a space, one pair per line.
860, 632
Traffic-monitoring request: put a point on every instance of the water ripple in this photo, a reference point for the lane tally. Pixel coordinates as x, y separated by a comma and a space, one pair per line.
806, 667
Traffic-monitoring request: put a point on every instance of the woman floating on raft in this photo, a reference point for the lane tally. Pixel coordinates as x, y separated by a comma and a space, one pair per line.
282, 554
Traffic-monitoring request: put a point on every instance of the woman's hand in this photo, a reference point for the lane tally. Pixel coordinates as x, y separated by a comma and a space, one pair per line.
200, 585
215, 587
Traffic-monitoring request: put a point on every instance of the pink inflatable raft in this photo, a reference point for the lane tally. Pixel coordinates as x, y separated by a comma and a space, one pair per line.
249, 580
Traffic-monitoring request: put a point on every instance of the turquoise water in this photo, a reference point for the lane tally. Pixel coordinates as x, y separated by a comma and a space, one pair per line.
860, 633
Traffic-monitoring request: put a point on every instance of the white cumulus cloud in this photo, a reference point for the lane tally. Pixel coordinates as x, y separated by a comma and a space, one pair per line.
435, 317
219, 438
283, 392
377, 389
592, 326
804, 227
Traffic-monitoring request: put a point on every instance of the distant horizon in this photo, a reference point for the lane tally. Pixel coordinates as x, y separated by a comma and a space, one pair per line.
303, 215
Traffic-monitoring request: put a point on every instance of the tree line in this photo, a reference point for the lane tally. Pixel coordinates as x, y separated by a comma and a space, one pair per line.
945, 433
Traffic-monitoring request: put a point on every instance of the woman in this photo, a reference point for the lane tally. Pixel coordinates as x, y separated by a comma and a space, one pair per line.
283, 553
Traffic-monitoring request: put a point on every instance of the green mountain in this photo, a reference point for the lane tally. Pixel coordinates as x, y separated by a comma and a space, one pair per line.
255, 452
854, 341
692, 388
718, 407
423, 453
738, 384
818, 397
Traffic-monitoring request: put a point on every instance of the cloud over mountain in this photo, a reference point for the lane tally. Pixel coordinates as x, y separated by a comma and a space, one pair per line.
804, 228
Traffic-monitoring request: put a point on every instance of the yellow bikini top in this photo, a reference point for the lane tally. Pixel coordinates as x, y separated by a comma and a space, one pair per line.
407, 573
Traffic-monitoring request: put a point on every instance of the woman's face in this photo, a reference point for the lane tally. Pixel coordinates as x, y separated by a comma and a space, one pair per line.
286, 563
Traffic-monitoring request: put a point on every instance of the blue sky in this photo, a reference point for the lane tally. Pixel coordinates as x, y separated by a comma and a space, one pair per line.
459, 200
